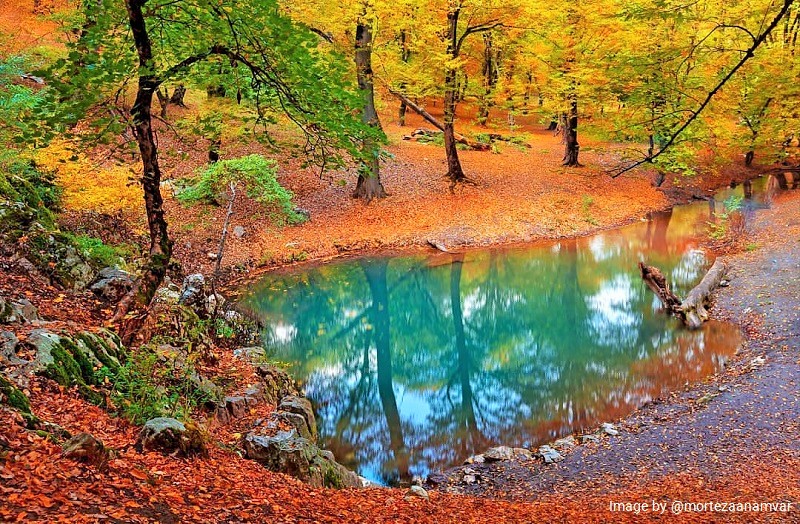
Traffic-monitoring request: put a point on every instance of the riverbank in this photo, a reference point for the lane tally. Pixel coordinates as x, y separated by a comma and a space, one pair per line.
521, 195
734, 436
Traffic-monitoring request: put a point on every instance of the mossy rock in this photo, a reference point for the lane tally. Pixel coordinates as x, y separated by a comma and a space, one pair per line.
11, 396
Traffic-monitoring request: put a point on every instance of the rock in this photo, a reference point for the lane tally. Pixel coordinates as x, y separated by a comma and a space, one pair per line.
211, 255
289, 453
193, 290
254, 354
758, 362
565, 443
549, 454
470, 476
171, 436
276, 383
475, 459
85, 448
112, 284
20, 310
522, 454
44, 342
79, 272
305, 213
416, 492
609, 429
589, 438
8, 347
165, 295
236, 406
499, 453
238, 231
300, 406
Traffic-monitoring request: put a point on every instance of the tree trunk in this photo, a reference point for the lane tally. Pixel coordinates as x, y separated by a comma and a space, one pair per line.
748, 158
571, 146
160, 244
405, 54
369, 179
163, 100
454, 171
489, 78
179, 94
692, 310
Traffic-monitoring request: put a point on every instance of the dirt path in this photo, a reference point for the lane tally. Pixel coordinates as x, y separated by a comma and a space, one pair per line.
746, 419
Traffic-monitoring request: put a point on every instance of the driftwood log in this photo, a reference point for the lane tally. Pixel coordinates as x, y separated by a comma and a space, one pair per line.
692, 310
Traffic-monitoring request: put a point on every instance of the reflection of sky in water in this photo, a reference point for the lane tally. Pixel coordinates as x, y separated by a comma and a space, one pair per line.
414, 363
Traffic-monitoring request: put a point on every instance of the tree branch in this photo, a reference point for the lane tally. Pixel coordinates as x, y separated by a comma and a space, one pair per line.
749, 53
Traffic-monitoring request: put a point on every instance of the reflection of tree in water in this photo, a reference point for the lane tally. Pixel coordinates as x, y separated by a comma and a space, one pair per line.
414, 365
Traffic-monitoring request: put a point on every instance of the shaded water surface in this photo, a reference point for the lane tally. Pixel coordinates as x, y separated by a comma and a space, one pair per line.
416, 362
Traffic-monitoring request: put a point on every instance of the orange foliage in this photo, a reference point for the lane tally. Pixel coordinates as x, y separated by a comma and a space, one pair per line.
88, 187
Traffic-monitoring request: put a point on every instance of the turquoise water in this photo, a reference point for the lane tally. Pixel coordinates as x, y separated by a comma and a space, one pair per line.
416, 362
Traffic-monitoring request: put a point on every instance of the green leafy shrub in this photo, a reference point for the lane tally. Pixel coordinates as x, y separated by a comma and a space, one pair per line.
99, 254
149, 385
257, 174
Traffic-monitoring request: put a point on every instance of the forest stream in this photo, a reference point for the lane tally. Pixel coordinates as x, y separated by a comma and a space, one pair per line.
416, 362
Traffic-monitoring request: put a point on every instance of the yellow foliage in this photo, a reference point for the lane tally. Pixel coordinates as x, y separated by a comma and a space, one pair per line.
87, 186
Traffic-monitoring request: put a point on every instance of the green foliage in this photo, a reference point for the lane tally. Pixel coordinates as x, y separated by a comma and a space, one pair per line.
279, 66
728, 220
586, 204
27, 196
150, 385
99, 254
12, 396
257, 174
677, 160
16, 101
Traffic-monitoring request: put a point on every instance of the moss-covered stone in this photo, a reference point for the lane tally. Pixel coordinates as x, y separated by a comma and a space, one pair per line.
16, 399
68, 371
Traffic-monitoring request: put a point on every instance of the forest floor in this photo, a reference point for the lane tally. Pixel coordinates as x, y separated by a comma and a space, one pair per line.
732, 438
521, 195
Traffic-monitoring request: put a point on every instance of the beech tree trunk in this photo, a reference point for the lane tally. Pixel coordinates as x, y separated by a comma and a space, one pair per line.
405, 54
489, 78
178, 95
454, 171
571, 146
369, 179
141, 113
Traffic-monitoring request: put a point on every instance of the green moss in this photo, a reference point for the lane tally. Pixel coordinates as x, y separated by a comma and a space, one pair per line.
14, 397
67, 371
84, 363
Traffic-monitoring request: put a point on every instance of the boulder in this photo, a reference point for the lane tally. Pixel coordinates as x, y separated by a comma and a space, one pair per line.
296, 421
86, 448
549, 454
238, 231
416, 492
169, 435
193, 290
300, 406
276, 383
20, 310
609, 429
112, 284
289, 453
8, 347
499, 453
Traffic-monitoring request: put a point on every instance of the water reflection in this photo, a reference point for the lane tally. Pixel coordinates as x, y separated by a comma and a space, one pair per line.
414, 363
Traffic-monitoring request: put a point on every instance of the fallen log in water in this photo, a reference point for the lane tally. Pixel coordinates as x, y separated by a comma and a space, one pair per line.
692, 310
